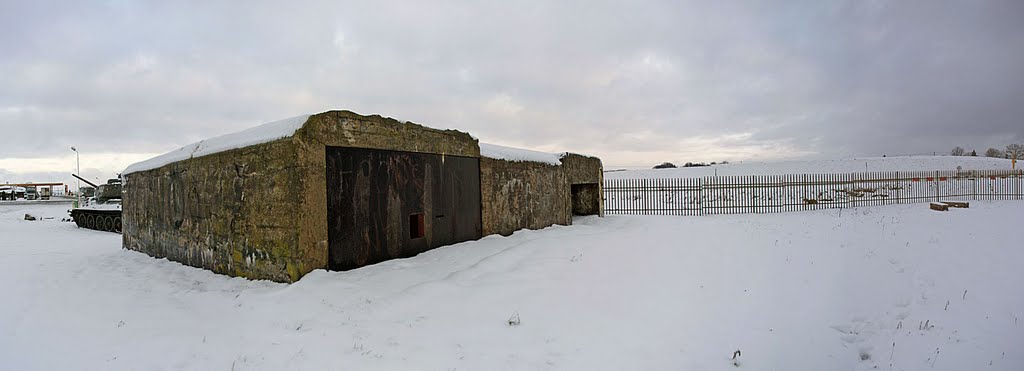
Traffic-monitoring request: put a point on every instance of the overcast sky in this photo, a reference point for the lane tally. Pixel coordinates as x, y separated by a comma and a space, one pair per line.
633, 82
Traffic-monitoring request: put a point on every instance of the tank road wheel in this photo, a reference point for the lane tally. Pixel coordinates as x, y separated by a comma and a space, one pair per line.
90, 221
79, 221
108, 223
117, 224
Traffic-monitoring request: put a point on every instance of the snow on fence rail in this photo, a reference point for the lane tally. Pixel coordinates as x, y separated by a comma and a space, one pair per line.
779, 193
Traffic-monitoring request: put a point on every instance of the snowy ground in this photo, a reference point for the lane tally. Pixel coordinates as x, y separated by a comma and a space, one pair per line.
852, 165
826, 290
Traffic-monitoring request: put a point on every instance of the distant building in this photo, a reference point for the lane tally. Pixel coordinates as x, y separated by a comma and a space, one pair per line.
28, 191
10, 192
338, 190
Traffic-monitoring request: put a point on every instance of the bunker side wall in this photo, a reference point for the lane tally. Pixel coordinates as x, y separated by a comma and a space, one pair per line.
518, 195
231, 212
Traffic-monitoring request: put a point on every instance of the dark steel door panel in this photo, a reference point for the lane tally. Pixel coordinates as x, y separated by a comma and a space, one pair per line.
375, 199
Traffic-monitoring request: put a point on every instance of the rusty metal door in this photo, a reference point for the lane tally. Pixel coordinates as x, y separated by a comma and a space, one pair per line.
387, 204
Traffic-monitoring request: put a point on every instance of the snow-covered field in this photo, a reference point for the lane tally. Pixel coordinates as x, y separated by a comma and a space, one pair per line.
853, 165
893, 287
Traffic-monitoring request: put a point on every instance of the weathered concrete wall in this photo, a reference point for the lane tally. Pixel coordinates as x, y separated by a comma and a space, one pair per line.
230, 212
347, 129
517, 195
586, 175
580, 169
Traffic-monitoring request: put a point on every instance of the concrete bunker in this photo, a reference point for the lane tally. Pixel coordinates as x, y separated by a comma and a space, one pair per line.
338, 191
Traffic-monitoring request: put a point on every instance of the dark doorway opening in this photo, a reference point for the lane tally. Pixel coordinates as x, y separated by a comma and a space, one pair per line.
586, 199
416, 227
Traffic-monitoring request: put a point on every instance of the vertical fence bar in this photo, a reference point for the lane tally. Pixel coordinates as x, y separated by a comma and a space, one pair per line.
622, 193
640, 196
716, 194
687, 196
738, 195
633, 198
615, 194
706, 196
656, 200
619, 184
974, 187
629, 196
813, 194
634, 188
753, 194
678, 197
804, 198
682, 196
816, 191
900, 184
652, 195
607, 194
613, 197
720, 193
694, 197
838, 180
668, 197
701, 201
619, 193
640, 199
700, 196
787, 196
758, 191
643, 190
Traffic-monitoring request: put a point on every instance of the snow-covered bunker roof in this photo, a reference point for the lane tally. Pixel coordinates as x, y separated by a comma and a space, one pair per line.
272, 131
517, 154
256, 135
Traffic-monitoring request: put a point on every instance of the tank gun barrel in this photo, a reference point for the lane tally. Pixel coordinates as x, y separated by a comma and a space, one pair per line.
86, 181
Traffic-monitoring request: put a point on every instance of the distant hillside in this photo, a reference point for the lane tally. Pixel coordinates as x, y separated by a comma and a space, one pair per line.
853, 165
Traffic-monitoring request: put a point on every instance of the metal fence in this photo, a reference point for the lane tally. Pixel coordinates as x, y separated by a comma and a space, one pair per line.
779, 193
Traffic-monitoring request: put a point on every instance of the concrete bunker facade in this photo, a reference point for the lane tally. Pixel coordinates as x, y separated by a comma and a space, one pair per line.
337, 191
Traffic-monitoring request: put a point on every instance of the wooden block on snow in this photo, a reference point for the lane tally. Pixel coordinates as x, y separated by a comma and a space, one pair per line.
957, 204
939, 206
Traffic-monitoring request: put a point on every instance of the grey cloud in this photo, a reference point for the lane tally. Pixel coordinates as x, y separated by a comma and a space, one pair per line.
803, 78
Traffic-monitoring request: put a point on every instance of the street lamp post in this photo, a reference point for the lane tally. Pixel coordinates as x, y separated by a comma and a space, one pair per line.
78, 183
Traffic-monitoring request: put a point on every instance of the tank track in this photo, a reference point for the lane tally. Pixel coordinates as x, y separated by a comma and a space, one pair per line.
100, 220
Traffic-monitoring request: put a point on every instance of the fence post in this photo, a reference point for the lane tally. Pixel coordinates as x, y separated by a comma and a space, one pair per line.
898, 182
803, 196
700, 196
849, 192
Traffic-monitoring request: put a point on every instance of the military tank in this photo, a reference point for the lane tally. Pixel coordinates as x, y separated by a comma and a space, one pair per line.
102, 211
